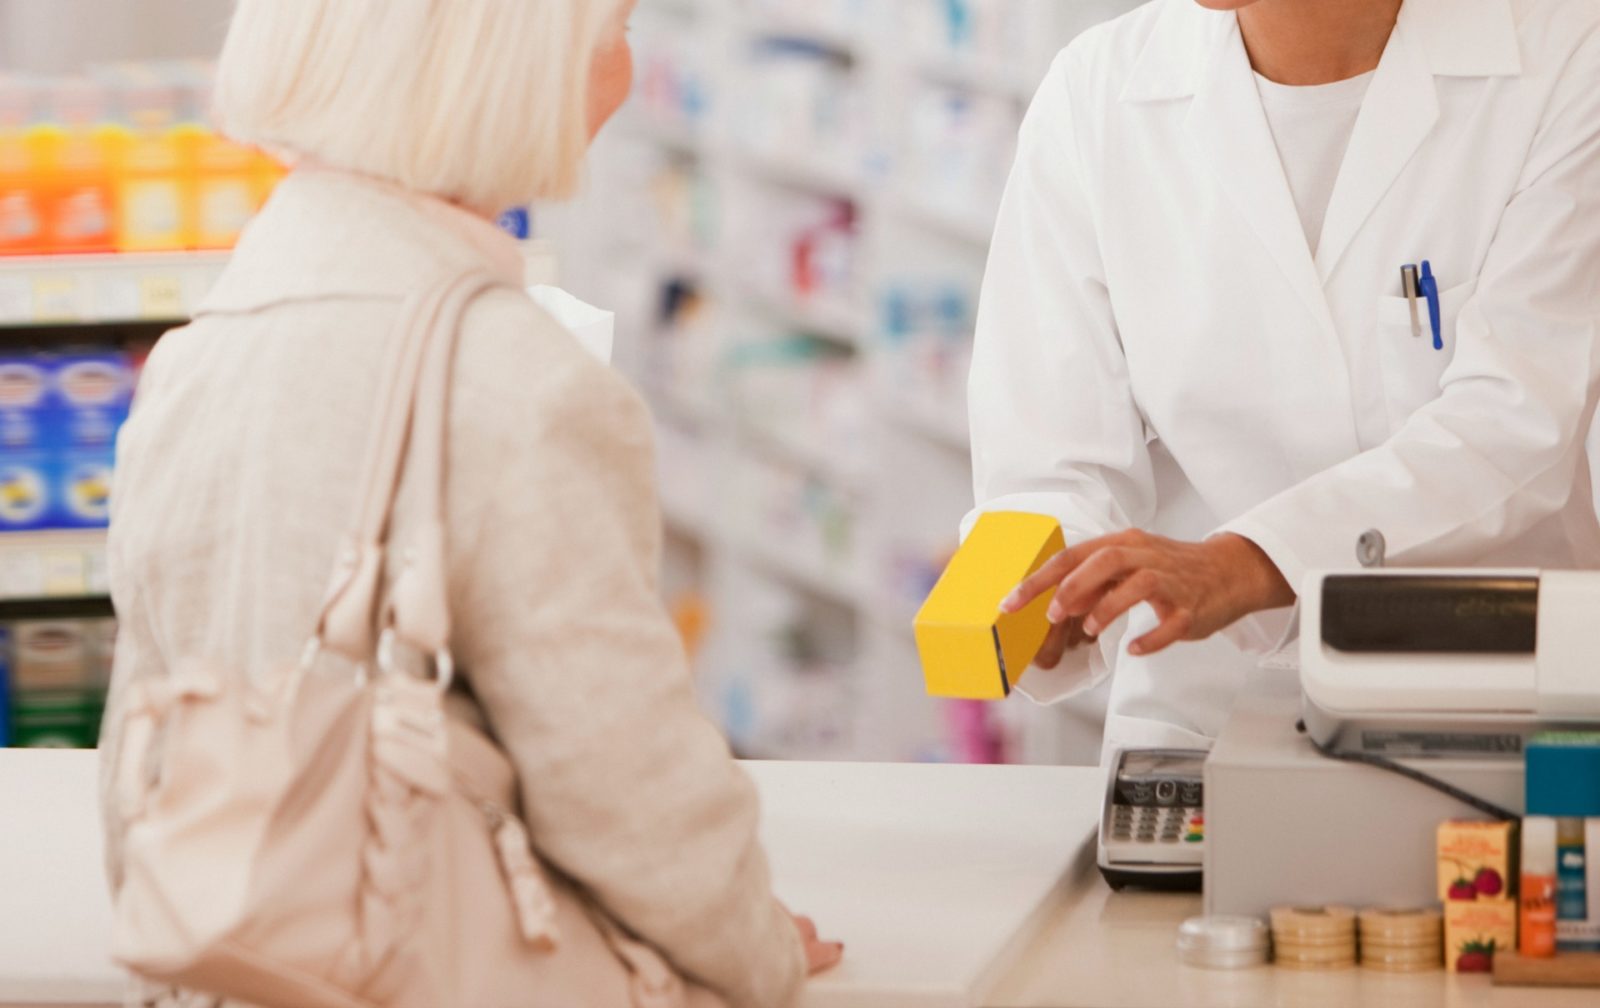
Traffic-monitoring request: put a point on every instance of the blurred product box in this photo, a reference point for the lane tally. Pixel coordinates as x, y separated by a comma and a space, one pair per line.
59, 418
1476, 860
51, 655
26, 470
1475, 930
5, 686
122, 160
93, 393
55, 675
56, 719
22, 193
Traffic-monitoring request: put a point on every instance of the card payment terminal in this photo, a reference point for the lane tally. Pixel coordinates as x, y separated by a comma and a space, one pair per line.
1153, 826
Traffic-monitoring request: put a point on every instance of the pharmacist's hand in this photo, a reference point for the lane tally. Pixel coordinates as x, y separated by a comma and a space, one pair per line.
1064, 636
820, 955
1196, 589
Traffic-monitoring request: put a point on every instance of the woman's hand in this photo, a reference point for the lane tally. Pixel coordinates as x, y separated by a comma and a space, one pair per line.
1196, 589
820, 955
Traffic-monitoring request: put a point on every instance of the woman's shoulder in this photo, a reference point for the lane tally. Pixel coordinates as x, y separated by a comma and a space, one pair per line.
522, 374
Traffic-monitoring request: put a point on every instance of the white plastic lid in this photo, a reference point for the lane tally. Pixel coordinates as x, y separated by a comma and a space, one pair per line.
1225, 943
1538, 845
1222, 934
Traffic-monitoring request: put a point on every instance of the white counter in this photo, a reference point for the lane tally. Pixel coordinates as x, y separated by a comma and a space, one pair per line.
934, 877
55, 920
951, 886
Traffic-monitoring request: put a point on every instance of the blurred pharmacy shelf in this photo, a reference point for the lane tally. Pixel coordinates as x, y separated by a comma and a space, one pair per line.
101, 289
962, 223
53, 564
791, 219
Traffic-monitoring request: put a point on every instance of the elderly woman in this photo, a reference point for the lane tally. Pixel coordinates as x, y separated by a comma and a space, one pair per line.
411, 126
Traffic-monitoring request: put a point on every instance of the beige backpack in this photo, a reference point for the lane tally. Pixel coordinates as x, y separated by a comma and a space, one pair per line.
325, 836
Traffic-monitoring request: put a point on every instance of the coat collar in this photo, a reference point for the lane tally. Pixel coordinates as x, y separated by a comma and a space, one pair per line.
1455, 38
328, 233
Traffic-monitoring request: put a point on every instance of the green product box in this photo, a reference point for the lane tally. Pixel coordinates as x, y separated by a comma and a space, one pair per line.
56, 719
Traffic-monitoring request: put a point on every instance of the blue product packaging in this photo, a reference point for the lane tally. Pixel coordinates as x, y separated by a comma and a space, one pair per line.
25, 470
82, 490
1572, 899
92, 395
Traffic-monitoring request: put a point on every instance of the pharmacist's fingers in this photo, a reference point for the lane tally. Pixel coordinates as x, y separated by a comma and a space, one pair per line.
1077, 636
1137, 587
1040, 581
1055, 645
1176, 622
1082, 590
1050, 574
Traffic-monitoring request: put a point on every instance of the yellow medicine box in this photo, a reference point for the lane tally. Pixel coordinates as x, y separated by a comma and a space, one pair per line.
969, 649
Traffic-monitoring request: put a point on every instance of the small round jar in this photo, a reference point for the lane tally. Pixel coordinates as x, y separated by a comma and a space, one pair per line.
1223, 942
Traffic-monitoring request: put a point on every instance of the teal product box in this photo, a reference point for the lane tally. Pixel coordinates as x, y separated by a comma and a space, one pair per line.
1563, 774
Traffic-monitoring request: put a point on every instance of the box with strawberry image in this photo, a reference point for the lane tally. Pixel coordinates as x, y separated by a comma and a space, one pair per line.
1476, 866
1474, 930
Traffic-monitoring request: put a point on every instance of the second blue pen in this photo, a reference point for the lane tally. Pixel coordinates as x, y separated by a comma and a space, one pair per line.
1430, 291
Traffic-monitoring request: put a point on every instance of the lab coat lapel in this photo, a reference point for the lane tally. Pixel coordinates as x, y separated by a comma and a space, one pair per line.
1228, 127
1400, 110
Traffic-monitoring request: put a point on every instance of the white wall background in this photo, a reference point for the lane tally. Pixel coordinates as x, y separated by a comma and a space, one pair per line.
63, 36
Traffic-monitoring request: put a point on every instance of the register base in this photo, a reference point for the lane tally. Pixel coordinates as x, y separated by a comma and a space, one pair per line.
1287, 825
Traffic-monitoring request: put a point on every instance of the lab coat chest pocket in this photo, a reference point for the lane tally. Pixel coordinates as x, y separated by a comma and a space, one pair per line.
1412, 368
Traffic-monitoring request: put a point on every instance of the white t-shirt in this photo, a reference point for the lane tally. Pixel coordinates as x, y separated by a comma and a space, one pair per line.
1312, 127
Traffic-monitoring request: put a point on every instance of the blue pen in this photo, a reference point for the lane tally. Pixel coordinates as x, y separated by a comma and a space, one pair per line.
1430, 290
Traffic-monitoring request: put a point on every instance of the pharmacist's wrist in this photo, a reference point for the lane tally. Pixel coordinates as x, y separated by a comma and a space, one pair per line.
1259, 583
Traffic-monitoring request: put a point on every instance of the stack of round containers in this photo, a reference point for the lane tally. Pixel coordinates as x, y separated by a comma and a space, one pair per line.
1314, 938
1402, 941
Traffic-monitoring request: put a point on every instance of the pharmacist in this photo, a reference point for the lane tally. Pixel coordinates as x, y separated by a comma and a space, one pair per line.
1194, 346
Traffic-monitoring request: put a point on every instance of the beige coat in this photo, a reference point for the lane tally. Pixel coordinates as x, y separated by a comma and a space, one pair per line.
234, 482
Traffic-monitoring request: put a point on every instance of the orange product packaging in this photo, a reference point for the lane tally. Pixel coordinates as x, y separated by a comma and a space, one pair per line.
224, 187
152, 178
24, 207
77, 149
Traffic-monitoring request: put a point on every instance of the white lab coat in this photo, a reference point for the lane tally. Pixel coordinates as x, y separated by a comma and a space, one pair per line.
1158, 347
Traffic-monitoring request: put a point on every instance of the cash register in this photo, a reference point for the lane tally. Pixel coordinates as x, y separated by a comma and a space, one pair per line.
1407, 700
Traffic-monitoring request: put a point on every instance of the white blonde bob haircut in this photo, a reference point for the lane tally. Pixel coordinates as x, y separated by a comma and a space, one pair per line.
482, 102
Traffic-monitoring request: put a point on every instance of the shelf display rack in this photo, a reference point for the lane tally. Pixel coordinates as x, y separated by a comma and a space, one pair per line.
791, 219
